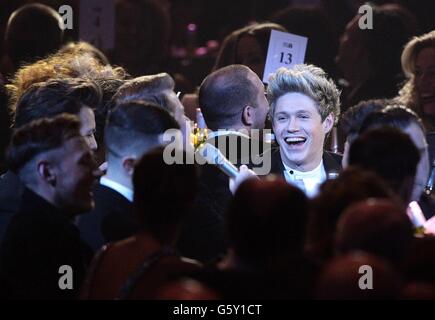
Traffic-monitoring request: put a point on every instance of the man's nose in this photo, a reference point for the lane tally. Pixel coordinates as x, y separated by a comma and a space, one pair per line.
92, 142
293, 124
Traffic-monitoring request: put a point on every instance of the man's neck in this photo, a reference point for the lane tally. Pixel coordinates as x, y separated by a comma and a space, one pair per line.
120, 184
115, 176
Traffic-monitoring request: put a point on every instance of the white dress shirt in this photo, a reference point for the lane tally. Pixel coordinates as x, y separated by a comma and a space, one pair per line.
308, 181
123, 190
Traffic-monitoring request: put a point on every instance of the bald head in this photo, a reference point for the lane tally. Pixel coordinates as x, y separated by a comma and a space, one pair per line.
225, 93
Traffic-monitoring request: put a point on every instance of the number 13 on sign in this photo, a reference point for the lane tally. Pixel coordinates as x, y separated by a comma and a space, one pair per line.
284, 50
285, 57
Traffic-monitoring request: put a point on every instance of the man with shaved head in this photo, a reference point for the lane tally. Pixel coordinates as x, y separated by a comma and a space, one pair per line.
234, 105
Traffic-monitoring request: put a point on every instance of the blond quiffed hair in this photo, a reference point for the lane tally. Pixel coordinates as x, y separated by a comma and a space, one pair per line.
309, 80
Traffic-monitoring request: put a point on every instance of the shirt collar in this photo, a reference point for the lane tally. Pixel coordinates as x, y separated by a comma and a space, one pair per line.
308, 181
219, 133
316, 172
123, 190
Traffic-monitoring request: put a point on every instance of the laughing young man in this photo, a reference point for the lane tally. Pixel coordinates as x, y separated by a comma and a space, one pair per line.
304, 105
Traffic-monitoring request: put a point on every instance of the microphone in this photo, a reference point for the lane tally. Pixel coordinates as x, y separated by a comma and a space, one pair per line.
431, 181
212, 155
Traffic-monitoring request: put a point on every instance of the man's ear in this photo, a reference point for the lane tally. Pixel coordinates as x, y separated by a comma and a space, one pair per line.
328, 123
248, 115
128, 163
47, 172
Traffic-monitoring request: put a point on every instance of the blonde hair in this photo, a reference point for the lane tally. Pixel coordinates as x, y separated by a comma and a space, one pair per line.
408, 94
59, 66
309, 80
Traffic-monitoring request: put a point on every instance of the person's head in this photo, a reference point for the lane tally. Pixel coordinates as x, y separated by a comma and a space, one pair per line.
266, 222
142, 32
60, 65
56, 96
408, 122
109, 87
163, 195
351, 120
81, 47
157, 89
33, 31
364, 53
52, 159
342, 277
418, 64
390, 154
352, 185
376, 226
132, 129
304, 105
233, 98
247, 46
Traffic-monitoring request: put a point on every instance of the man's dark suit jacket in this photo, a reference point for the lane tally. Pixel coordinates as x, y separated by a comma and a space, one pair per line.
39, 240
111, 220
203, 236
11, 191
331, 162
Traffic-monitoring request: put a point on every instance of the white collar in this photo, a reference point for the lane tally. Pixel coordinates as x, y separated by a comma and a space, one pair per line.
316, 172
123, 190
213, 134
308, 181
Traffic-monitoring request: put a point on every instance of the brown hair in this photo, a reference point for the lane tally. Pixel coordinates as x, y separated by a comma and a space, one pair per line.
40, 136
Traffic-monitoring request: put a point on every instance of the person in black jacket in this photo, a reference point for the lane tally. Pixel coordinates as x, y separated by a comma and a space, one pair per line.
41, 100
42, 256
234, 106
133, 128
304, 105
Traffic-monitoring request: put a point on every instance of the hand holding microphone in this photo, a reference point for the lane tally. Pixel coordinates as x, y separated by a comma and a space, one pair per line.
213, 156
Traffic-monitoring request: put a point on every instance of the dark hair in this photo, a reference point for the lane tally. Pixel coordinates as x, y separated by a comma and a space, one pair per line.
389, 153
395, 116
351, 120
260, 32
40, 136
376, 226
152, 88
109, 87
33, 32
223, 95
267, 220
163, 194
352, 185
56, 96
134, 123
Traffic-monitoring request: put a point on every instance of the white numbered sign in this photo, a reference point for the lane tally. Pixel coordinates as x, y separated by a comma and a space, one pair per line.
285, 50
97, 22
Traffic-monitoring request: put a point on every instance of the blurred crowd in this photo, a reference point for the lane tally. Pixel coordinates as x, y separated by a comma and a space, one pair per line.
91, 208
